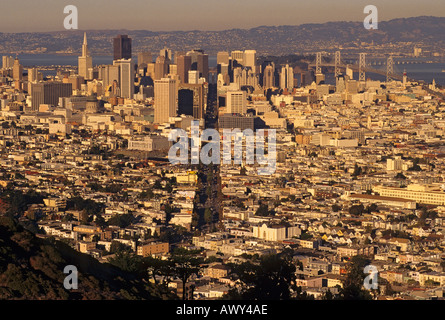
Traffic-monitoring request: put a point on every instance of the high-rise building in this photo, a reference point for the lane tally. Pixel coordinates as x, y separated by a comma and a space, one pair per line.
122, 47
193, 76
126, 77
236, 102
167, 53
85, 61
192, 99
172, 69
222, 57
249, 59
184, 66
165, 100
287, 78
108, 74
203, 66
49, 93
17, 70
238, 55
144, 57
8, 62
161, 67
268, 77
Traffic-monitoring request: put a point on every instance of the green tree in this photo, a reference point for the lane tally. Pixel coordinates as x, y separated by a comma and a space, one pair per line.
353, 283
185, 264
270, 278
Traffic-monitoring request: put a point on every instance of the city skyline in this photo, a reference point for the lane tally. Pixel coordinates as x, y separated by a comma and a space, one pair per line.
196, 15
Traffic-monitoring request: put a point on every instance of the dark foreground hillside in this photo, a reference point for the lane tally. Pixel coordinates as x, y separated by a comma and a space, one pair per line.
31, 268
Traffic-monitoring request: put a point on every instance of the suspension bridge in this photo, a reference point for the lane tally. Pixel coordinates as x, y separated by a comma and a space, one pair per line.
362, 67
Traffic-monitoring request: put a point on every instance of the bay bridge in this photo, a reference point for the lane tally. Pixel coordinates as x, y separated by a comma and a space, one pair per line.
361, 66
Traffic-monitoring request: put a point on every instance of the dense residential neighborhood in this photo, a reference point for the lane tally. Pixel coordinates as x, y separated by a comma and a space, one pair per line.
357, 173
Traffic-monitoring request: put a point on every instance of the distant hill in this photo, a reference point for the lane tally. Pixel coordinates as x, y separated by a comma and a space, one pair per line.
267, 40
32, 269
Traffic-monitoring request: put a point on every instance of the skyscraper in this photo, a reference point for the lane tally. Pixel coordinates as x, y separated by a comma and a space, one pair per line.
17, 70
192, 99
126, 77
250, 59
161, 67
287, 78
184, 66
49, 93
144, 57
203, 66
222, 57
8, 62
236, 102
85, 61
268, 77
165, 99
167, 53
122, 47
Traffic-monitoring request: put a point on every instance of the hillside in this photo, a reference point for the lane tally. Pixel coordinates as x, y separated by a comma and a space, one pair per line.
31, 268
268, 40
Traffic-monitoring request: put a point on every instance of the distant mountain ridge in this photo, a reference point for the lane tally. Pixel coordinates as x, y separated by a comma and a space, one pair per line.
404, 33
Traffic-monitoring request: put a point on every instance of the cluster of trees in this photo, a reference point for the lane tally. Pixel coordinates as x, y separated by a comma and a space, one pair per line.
359, 209
182, 264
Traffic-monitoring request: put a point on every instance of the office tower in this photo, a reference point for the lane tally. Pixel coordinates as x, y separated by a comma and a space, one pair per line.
161, 67
193, 76
33, 75
236, 102
49, 93
150, 70
85, 61
184, 66
249, 59
17, 70
126, 77
108, 74
238, 55
287, 78
167, 53
203, 66
237, 75
193, 54
144, 58
75, 80
173, 69
122, 47
192, 99
178, 54
268, 77
165, 100
222, 57
8, 62
223, 74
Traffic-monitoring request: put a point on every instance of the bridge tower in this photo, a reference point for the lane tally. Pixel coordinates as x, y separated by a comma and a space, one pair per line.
389, 68
337, 63
361, 68
318, 63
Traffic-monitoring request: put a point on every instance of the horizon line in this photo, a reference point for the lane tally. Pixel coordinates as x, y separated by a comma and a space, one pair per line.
222, 30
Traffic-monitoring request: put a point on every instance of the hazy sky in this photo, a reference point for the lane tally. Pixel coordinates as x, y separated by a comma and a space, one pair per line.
156, 15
